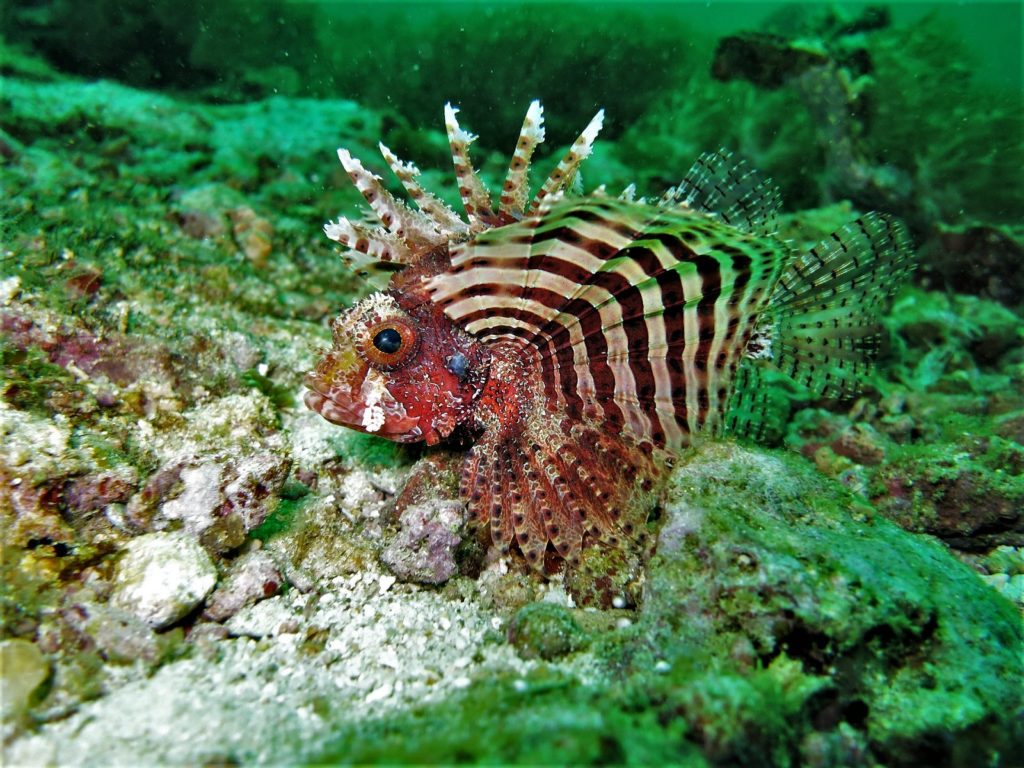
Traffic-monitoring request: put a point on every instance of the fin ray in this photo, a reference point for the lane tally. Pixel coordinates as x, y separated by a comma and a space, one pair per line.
824, 308
476, 198
409, 225
727, 187
516, 189
565, 172
443, 217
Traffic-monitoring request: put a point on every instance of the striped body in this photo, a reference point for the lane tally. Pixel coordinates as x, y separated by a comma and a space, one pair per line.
640, 314
579, 341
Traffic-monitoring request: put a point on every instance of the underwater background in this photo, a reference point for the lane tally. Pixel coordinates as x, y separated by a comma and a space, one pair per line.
196, 569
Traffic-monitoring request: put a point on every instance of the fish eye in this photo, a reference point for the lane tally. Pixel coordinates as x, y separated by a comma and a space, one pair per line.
389, 343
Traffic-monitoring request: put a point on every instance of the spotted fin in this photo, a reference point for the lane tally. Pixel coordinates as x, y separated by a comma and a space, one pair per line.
410, 234
374, 252
820, 332
373, 242
550, 489
761, 402
416, 230
476, 198
443, 217
565, 173
516, 189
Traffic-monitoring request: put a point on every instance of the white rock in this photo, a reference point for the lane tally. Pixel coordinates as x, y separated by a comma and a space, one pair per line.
197, 504
163, 577
266, 619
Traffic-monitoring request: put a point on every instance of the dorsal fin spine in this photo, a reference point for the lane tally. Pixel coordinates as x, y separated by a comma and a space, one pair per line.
565, 171
476, 199
443, 217
726, 187
516, 189
382, 246
408, 225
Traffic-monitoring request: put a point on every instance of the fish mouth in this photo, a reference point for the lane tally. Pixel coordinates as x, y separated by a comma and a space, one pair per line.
386, 417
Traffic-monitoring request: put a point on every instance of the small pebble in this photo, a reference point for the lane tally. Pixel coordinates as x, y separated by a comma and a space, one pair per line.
253, 577
545, 631
386, 582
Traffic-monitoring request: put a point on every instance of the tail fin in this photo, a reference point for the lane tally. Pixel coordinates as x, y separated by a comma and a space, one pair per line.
821, 327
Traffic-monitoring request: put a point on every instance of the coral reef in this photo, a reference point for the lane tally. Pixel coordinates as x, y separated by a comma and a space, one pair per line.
739, 655
940, 452
195, 569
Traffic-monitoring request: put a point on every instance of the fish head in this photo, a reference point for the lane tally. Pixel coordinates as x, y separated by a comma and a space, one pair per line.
400, 369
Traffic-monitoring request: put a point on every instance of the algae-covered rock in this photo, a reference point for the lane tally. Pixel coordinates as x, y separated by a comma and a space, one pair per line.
163, 577
756, 550
783, 623
424, 550
545, 631
23, 668
967, 492
253, 577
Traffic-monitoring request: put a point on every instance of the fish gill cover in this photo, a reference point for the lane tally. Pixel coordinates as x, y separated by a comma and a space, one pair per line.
196, 568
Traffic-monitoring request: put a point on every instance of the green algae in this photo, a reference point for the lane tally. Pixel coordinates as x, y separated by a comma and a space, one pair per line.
373, 451
545, 631
959, 137
29, 381
281, 519
25, 594
961, 497
783, 621
772, 536
555, 721
282, 397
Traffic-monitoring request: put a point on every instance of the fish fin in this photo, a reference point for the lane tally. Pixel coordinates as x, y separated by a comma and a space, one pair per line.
377, 275
444, 217
476, 198
413, 233
525, 508
416, 230
564, 175
481, 484
720, 184
822, 325
373, 243
516, 189
761, 401
552, 486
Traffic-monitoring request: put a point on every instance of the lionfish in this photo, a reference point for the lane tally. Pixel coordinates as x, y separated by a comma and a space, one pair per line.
580, 341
